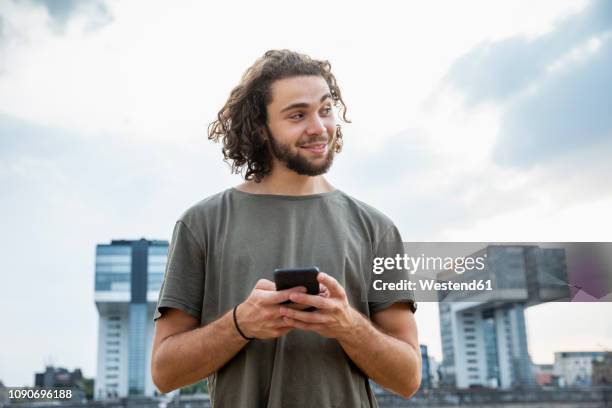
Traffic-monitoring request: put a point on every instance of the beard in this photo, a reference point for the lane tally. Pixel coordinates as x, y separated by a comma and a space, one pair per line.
299, 163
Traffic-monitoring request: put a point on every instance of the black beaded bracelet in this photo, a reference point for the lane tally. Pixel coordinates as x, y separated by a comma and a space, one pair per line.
238, 328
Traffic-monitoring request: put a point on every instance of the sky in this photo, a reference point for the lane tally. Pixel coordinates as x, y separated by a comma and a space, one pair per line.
471, 121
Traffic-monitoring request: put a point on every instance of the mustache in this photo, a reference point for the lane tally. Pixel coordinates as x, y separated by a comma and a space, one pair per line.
317, 139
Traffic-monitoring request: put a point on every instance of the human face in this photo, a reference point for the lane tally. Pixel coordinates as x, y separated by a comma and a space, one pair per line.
301, 124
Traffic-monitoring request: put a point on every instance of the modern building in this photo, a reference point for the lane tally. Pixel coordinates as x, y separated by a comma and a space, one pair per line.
4, 396
576, 367
128, 278
484, 339
57, 377
434, 370
425, 368
426, 382
545, 376
602, 370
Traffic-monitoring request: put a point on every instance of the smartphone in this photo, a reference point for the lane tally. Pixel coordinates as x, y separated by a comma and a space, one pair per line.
286, 278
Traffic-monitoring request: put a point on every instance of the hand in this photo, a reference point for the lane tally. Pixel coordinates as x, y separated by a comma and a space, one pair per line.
335, 318
298, 306
259, 315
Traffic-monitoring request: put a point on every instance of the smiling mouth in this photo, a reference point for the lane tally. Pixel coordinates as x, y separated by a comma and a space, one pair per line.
318, 148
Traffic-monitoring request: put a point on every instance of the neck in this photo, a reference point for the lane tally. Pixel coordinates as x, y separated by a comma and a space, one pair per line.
282, 181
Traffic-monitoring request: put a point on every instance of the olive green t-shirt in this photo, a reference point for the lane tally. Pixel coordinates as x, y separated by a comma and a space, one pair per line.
225, 243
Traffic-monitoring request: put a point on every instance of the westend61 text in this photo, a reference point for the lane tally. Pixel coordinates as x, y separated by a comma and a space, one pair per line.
431, 284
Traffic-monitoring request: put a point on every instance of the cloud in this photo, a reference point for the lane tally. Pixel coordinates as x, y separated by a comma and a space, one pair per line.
569, 110
499, 70
63, 194
61, 11
552, 89
27, 25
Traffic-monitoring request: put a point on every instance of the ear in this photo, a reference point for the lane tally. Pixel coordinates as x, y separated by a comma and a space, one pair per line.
264, 133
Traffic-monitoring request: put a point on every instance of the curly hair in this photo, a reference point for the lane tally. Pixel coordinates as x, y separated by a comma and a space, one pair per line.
241, 119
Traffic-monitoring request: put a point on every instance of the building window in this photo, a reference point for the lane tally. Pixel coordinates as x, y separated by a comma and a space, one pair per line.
471, 353
473, 369
472, 361
469, 330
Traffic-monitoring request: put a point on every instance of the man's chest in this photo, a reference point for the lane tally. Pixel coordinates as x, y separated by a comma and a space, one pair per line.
246, 249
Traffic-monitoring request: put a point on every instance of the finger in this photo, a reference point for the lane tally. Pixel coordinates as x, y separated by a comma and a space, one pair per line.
279, 296
280, 324
323, 291
303, 326
334, 287
317, 301
283, 330
296, 306
265, 284
306, 317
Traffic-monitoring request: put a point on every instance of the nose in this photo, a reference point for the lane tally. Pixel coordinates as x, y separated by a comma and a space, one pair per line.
315, 127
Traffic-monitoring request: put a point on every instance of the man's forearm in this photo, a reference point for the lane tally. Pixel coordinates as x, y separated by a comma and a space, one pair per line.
188, 357
390, 362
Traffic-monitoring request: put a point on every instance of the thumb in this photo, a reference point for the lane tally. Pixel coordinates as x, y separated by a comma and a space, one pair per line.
265, 284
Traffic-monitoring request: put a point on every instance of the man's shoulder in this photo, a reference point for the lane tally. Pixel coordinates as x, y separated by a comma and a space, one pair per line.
368, 212
203, 209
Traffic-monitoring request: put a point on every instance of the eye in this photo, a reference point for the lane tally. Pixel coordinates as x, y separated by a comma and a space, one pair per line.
327, 110
296, 116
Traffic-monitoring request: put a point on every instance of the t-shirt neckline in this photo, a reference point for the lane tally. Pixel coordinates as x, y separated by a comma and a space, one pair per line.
286, 197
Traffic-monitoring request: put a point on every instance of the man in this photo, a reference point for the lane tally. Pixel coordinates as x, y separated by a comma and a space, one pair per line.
219, 314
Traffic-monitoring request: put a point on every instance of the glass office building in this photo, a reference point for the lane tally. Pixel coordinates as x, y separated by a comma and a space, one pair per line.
425, 368
128, 278
484, 340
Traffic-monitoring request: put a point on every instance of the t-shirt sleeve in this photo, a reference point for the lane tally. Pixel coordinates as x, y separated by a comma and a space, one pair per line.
389, 247
183, 284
